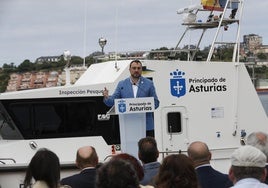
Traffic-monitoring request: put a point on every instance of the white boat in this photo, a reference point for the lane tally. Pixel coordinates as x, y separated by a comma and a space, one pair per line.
214, 102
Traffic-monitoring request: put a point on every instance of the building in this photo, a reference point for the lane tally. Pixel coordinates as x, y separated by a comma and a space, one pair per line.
262, 49
44, 59
252, 42
34, 80
14, 82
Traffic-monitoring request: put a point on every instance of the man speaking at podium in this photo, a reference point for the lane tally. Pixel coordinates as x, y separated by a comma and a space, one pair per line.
133, 87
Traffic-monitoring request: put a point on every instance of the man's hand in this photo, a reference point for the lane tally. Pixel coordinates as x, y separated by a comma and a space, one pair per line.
105, 93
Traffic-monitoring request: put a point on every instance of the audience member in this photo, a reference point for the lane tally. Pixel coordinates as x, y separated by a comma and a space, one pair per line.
117, 173
86, 161
260, 141
133, 161
207, 176
44, 167
148, 154
248, 167
176, 170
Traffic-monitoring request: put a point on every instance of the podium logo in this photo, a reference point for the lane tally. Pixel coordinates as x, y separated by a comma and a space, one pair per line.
122, 106
177, 83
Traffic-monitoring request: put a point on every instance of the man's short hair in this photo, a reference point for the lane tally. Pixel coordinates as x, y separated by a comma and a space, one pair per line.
148, 151
248, 172
259, 140
92, 160
199, 152
135, 61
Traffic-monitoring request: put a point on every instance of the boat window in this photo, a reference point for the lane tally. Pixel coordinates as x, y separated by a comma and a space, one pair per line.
57, 118
22, 113
174, 122
7, 128
3, 120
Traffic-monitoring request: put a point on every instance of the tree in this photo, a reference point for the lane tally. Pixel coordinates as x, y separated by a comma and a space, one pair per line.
9, 68
4, 77
262, 56
76, 60
25, 66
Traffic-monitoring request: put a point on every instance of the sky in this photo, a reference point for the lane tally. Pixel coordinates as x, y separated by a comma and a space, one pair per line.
33, 28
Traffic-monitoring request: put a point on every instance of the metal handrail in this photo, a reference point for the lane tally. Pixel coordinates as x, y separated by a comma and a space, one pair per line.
165, 153
7, 159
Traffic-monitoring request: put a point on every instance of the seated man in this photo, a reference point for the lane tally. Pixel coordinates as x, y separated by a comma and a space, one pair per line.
86, 160
260, 141
248, 167
148, 154
117, 173
207, 176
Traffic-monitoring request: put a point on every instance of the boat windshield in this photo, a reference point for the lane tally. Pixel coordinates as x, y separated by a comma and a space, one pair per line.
58, 118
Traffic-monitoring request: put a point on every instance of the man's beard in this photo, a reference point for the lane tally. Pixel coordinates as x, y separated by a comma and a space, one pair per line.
136, 75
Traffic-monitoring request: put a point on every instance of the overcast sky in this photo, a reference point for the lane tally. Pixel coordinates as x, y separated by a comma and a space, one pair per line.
33, 28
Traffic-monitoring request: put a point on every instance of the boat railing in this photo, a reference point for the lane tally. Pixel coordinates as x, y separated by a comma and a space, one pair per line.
191, 22
211, 24
147, 54
163, 154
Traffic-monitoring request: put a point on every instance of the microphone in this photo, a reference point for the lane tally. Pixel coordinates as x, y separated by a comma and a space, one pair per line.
139, 87
136, 84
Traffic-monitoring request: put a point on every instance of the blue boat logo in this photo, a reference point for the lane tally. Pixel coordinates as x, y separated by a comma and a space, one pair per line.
122, 106
177, 83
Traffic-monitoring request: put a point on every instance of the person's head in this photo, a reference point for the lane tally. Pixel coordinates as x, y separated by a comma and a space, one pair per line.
247, 162
199, 153
259, 140
176, 170
135, 68
117, 173
133, 161
44, 166
148, 151
86, 157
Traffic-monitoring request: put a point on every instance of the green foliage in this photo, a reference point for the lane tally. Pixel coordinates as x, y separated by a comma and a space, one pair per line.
262, 56
4, 77
26, 66
9, 68
76, 60
223, 53
89, 60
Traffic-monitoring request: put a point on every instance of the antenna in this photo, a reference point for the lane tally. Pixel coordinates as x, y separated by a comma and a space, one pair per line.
67, 57
85, 34
116, 38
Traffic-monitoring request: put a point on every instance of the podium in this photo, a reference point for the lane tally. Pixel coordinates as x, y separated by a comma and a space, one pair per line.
132, 121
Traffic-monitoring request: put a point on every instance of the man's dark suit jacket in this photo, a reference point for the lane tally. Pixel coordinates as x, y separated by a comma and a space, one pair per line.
85, 179
211, 178
266, 179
